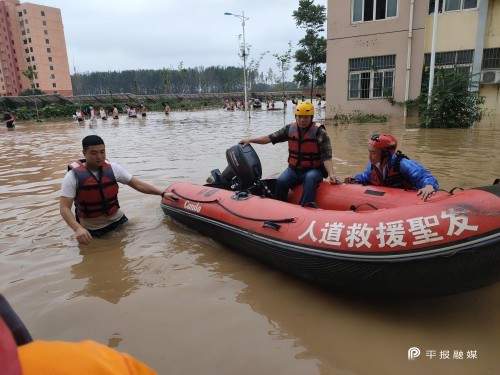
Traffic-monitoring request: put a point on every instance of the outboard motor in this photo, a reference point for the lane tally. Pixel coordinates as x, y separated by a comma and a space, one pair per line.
244, 163
244, 171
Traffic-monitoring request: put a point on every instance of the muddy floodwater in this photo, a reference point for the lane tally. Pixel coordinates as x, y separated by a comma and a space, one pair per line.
185, 304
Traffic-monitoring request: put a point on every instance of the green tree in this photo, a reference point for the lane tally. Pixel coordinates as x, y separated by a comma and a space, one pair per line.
283, 64
311, 56
452, 104
31, 74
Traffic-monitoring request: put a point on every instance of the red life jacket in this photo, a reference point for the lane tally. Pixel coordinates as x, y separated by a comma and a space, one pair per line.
9, 359
393, 178
95, 196
303, 149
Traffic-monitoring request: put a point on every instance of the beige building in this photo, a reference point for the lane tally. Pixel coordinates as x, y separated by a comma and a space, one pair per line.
380, 50
32, 35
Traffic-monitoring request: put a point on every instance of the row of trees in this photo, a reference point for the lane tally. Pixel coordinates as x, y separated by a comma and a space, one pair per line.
214, 79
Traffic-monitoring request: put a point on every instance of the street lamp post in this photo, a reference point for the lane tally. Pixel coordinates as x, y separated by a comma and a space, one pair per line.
244, 51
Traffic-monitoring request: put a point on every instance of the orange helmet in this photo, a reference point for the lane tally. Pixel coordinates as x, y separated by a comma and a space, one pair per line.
384, 141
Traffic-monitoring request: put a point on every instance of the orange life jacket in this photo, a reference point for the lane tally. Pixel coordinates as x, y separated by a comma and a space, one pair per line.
95, 196
394, 178
303, 149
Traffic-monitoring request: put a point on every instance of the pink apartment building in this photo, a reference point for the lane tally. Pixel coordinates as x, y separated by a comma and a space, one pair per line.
32, 35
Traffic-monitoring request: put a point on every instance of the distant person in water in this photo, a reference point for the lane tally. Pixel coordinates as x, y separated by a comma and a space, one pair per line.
92, 113
167, 108
103, 113
143, 110
8, 120
115, 113
92, 185
80, 115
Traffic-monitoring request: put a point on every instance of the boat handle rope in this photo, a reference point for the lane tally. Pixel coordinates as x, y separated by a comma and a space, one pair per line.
456, 187
354, 208
286, 220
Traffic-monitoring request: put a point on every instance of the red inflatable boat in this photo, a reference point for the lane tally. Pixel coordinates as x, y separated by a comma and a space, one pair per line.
362, 239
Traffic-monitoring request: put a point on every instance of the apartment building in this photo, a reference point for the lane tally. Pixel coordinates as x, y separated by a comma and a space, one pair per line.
32, 37
379, 51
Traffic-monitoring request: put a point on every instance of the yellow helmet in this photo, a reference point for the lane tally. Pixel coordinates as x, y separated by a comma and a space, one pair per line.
304, 109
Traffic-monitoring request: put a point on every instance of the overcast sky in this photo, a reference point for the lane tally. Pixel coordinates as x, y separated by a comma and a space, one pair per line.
104, 35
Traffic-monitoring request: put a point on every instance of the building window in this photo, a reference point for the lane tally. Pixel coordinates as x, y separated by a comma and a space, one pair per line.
45, 32
31, 49
28, 59
26, 50
52, 76
371, 77
32, 58
25, 21
29, 40
370, 10
48, 50
46, 41
452, 5
54, 85
37, 85
44, 23
24, 11
20, 14
42, 13
50, 59
460, 61
51, 67
491, 58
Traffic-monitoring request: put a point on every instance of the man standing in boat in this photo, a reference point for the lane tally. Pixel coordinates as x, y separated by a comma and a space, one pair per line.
390, 168
92, 184
309, 154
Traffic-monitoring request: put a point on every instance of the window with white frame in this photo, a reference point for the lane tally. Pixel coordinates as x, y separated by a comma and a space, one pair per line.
452, 5
372, 10
371, 77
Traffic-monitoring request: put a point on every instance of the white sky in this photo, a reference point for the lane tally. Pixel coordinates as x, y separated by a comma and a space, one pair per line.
104, 35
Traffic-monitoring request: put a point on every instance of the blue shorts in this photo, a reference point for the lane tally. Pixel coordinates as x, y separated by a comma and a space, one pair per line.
108, 228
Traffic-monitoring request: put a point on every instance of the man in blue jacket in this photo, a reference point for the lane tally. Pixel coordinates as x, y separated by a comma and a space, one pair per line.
390, 168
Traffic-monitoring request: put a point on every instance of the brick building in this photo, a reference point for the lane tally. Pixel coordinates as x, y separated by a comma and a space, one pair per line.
32, 38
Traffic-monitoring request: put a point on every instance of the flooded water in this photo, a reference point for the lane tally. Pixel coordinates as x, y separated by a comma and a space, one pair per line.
183, 303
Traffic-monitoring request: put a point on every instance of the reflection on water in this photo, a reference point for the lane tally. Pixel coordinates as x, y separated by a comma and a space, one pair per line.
162, 292
108, 273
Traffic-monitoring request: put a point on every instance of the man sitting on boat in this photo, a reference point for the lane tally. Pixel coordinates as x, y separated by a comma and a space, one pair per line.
390, 168
309, 154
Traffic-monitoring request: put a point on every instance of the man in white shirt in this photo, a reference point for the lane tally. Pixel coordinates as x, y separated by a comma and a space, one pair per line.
92, 184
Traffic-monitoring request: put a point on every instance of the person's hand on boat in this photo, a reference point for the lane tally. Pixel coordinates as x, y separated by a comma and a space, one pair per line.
83, 236
169, 196
245, 142
333, 179
426, 192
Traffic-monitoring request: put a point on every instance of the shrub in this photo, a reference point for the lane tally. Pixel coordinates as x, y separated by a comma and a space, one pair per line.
452, 104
